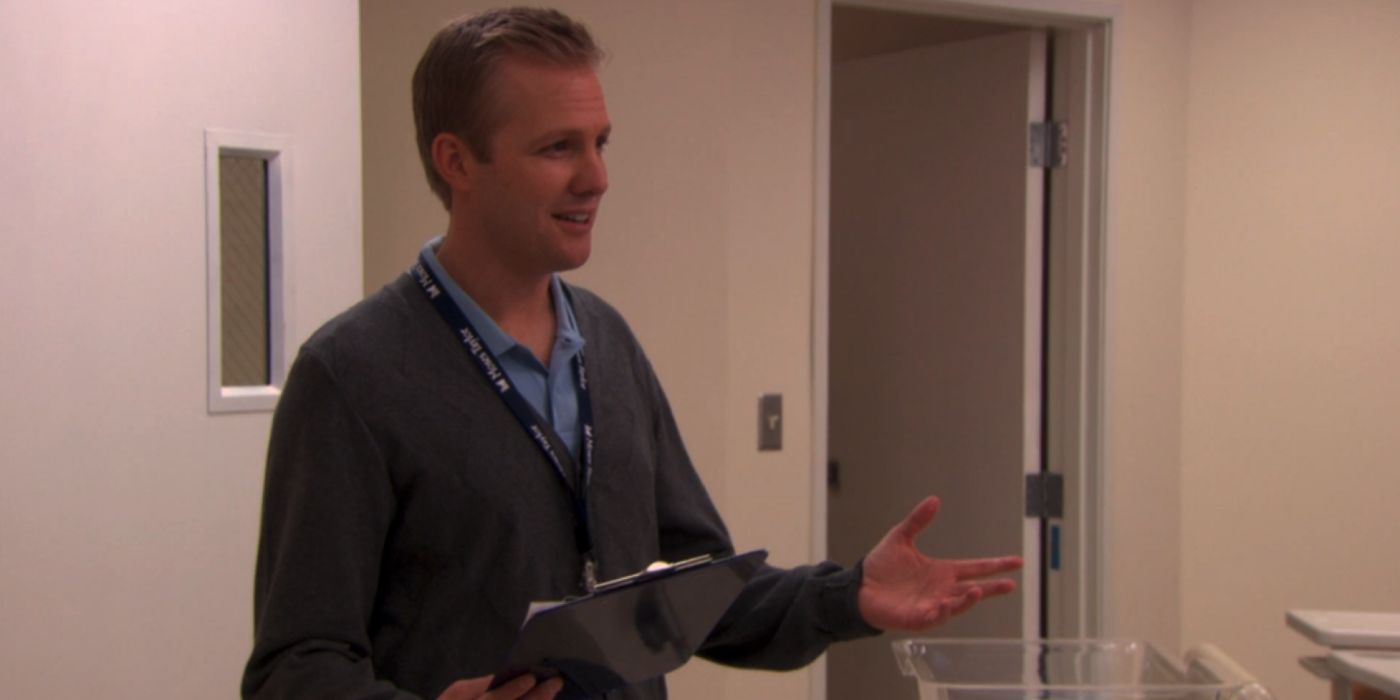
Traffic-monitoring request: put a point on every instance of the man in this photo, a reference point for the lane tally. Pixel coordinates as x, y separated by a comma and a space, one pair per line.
478, 434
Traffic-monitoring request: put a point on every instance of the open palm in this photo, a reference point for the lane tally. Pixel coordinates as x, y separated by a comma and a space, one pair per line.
902, 589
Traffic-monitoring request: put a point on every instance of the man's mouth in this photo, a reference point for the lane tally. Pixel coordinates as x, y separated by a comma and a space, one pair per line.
575, 218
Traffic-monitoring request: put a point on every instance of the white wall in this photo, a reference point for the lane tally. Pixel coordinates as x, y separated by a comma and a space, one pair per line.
128, 516
1291, 386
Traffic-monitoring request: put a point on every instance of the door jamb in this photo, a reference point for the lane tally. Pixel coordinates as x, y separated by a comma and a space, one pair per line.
1089, 24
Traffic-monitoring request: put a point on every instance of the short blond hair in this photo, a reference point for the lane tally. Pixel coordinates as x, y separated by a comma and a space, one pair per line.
453, 81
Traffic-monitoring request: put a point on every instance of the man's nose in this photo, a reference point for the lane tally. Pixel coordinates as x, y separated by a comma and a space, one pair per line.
591, 179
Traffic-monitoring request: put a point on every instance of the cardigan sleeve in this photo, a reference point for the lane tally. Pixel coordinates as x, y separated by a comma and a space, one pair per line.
785, 618
327, 505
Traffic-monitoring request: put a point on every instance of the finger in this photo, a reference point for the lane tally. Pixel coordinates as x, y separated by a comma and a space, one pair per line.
514, 689
462, 690
965, 594
974, 568
938, 613
546, 690
987, 589
917, 520
969, 600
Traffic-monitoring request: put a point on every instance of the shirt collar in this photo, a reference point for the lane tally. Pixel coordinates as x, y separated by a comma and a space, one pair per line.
567, 339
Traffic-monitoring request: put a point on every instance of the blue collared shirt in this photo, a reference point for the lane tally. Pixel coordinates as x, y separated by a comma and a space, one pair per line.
551, 390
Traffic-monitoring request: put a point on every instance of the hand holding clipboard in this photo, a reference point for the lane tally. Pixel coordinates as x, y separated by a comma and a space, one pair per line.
630, 629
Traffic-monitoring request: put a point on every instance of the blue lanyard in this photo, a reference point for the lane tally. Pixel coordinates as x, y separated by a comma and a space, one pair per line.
538, 431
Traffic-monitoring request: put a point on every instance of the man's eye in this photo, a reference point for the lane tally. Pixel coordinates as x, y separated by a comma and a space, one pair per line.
602, 144
557, 147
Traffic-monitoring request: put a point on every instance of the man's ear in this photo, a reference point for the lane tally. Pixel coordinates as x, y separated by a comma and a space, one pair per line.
453, 160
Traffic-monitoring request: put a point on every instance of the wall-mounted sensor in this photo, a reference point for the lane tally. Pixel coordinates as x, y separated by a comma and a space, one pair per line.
770, 422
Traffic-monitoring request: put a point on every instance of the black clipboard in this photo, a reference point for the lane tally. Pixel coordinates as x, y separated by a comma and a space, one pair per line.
630, 629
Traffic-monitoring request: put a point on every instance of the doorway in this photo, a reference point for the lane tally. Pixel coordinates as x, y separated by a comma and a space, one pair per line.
962, 307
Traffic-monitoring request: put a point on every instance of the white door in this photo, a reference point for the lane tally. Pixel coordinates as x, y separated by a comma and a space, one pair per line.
935, 326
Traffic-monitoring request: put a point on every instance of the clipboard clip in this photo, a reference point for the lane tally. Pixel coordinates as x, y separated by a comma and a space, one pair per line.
653, 570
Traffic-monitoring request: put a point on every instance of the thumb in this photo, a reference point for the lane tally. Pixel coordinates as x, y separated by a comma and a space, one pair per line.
916, 521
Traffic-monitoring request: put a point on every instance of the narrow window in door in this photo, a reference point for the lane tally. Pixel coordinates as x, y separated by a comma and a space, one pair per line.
243, 257
246, 244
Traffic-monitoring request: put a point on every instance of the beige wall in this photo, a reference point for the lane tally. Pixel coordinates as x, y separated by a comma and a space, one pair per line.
1142, 500
1251, 394
1291, 388
128, 515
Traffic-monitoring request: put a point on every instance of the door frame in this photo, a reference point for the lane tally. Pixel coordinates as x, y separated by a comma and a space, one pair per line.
1082, 84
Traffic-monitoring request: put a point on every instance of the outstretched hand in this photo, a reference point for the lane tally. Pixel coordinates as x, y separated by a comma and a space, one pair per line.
904, 590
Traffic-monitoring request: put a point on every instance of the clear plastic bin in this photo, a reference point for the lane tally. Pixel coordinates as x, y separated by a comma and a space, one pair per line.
977, 669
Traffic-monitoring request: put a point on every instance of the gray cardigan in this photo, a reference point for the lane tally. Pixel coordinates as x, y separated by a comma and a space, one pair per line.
408, 520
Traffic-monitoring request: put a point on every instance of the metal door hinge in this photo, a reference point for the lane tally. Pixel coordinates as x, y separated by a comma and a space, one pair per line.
1049, 144
1045, 495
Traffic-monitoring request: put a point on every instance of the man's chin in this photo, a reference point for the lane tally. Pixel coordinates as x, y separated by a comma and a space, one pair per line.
574, 259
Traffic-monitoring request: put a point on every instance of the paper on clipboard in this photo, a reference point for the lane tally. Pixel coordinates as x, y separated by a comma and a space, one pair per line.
630, 629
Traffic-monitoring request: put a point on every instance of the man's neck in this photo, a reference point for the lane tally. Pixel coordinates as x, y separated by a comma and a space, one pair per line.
521, 304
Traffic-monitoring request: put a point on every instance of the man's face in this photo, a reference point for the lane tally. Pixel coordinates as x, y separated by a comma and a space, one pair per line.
535, 203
